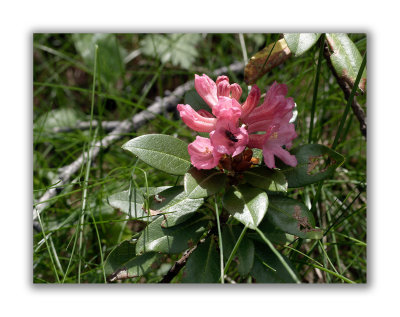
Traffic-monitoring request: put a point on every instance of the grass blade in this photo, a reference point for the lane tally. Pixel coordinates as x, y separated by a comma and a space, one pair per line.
315, 92
279, 256
221, 251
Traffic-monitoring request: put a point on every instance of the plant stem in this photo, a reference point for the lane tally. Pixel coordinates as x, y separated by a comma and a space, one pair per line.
48, 249
243, 45
342, 122
221, 251
349, 102
333, 273
88, 163
235, 248
316, 83
279, 256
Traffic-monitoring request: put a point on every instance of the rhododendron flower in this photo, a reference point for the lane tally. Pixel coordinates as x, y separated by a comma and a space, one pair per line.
217, 96
271, 143
210, 90
233, 126
251, 102
228, 138
283, 135
273, 117
202, 154
195, 120
274, 108
227, 108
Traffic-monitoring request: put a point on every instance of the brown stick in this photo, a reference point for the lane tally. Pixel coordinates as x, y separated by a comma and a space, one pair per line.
174, 270
357, 110
178, 265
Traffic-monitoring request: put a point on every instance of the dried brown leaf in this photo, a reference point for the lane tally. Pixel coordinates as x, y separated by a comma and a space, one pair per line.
260, 63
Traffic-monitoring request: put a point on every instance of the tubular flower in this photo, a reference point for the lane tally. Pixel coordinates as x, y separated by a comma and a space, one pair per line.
273, 143
206, 88
217, 96
272, 117
227, 108
251, 102
202, 154
210, 90
271, 111
228, 138
195, 120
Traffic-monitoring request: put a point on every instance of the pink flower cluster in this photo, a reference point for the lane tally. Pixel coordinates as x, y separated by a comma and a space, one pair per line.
233, 126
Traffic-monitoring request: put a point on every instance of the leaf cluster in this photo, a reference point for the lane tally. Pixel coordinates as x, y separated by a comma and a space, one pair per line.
178, 219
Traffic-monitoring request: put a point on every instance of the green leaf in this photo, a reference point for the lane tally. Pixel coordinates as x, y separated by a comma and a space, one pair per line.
122, 261
275, 235
246, 204
193, 99
110, 54
177, 48
293, 217
315, 163
203, 264
346, 59
171, 240
268, 269
132, 202
258, 64
203, 183
299, 43
266, 178
245, 252
175, 205
161, 151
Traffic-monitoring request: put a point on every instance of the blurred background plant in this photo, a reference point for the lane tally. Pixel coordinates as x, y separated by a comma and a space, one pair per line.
78, 100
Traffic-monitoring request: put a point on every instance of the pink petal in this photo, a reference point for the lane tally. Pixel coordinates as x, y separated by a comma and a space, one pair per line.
275, 90
286, 157
196, 121
227, 108
256, 141
282, 135
223, 89
207, 89
205, 113
236, 91
251, 102
269, 159
243, 139
278, 108
202, 154
260, 126
229, 139
221, 79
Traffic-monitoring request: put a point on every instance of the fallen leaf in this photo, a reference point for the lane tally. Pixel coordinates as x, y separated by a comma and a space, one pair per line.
260, 63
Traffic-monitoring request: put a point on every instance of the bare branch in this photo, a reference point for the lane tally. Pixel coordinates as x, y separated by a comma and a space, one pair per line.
178, 265
85, 125
357, 109
167, 103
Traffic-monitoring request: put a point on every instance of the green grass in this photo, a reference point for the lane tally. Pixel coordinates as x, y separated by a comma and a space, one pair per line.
80, 228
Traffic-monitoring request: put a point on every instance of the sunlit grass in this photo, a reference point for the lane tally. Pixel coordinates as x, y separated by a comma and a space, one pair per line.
61, 80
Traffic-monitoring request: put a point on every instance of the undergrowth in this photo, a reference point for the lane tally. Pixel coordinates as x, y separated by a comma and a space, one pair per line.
132, 72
